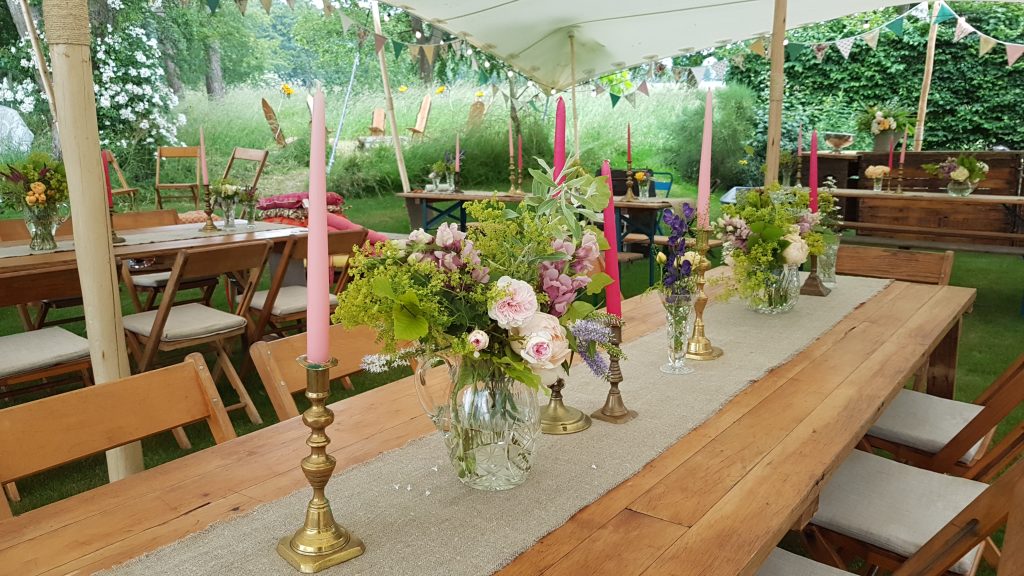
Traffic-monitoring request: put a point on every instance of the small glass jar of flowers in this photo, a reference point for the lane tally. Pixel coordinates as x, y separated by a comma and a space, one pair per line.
226, 193
676, 286
38, 187
768, 234
885, 122
438, 170
877, 174
248, 198
964, 173
501, 305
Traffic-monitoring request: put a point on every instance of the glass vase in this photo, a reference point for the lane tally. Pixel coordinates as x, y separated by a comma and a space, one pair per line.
678, 310
227, 206
450, 179
779, 293
878, 184
827, 261
42, 223
251, 216
959, 189
489, 423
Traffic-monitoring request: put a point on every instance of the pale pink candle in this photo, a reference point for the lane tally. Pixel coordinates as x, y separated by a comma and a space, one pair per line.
813, 173
317, 283
510, 149
892, 147
613, 293
202, 157
903, 152
629, 143
458, 162
520, 152
704, 178
559, 139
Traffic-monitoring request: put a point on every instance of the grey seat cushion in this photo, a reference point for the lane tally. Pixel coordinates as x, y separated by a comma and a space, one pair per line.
925, 422
290, 299
185, 322
159, 279
37, 349
782, 563
893, 506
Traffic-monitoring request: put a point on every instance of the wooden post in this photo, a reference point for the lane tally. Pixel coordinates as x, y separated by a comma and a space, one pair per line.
390, 103
575, 116
67, 30
776, 91
44, 74
926, 83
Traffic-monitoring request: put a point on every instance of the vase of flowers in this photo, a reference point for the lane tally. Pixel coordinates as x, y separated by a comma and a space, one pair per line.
964, 172
676, 287
247, 197
885, 122
439, 171
877, 174
39, 187
495, 305
227, 194
768, 234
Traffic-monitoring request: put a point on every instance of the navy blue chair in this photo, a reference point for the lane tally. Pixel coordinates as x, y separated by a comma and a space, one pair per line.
662, 183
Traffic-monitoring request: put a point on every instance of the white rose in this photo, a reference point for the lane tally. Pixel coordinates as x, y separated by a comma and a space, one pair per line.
478, 339
419, 235
517, 304
960, 174
543, 342
797, 251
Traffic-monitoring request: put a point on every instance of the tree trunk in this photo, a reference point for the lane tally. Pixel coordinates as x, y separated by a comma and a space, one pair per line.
426, 68
214, 74
100, 16
19, 21
171, 72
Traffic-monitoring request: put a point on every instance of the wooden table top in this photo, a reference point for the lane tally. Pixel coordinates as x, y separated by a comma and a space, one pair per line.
715, 503
464, 196
932, 197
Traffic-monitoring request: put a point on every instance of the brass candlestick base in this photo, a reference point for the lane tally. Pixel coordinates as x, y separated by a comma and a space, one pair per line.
208, 226
614, 410
511, 175
899, 180
799, 170
699, 347
630, 196
321, 542
813, 286
557, 418
114, 237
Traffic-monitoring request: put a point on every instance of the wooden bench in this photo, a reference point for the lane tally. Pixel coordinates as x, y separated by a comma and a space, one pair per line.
906, 265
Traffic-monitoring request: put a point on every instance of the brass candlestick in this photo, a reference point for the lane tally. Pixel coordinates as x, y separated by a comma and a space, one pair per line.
519, 180
557, 418
899, 179
208, 226
629, 182
813, 286
614, 410
511, 175
321, 542
799, 170
114, 237
699, 346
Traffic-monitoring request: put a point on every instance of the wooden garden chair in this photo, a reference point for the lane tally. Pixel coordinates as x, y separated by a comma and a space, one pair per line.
192, 188
124, 189
421, 119
43, 434
905, 265
283, 377
175, 326
283, 305
377, 122
259, 157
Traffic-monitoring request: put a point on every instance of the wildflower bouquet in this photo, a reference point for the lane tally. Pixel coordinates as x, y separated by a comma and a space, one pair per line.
883, 118
225, 188
677, 285
38, 187
964, 168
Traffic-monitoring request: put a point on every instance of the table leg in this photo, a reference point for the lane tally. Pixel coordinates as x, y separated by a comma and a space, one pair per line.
415, 212
462, 216
941, 372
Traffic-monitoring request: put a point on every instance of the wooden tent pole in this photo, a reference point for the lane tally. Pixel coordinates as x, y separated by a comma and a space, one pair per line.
390, 103
44, 73
67, 30
926, 83
575, 116
776, 91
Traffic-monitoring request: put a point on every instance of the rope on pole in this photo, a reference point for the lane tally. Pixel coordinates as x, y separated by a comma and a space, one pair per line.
344, 112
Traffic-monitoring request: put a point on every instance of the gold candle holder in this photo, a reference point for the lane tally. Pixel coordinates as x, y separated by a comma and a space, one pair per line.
519, 180
630, 196
557, 418
614, 410
813, 286
115, 238
208, 226
899, 179
799, 170
699, 346
321, 542
511, 175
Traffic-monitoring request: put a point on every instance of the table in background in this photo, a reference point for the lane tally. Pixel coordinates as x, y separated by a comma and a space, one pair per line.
640, 217
423, 213
715, 503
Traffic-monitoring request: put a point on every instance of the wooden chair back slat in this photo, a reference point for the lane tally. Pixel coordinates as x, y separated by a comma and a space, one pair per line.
117, 172
421, 118
1012, 561
178, 152
905, 265
377, 122
45, 433
249, 155
220, 260
147, 219
338, 243
55, 283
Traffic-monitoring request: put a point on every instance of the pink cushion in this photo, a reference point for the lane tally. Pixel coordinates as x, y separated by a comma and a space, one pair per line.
294, 200
341, 223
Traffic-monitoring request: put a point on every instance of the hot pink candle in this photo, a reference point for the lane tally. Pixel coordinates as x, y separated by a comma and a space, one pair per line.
629, 143
106, 177
317, 283
903, 152
704, 178
814, 172
892, 146
559, 139
520, 152
458, 162
613, 293
202, 157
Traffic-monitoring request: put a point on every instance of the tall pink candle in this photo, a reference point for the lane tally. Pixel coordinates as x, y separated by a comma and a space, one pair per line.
202, 157
704, 178
813, 174
892, 147
629, 143
317, 283
613, 292
903, 152
559, 164
458, 162
510, 151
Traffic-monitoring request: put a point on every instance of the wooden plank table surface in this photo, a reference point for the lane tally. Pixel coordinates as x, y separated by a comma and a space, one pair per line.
931, 197
715, 503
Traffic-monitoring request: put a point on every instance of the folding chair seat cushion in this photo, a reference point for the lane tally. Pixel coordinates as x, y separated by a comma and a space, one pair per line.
159, 279
782, 563
925, 422
290, 300
39, 349
185, 322
893, 506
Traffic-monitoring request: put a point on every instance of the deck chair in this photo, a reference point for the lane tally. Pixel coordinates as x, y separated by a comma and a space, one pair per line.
98, 418
123, 189
377, 122
283, 377
175, 326
283, 305
905, 265
192, 188
421, 119
476, 115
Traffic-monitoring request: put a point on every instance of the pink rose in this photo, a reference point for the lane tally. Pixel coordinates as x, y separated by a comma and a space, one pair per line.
516, 305
478, 339
542, 343
449, 236
587, 255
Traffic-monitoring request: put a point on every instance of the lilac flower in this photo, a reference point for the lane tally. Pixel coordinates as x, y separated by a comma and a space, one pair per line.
590, 334
735, 231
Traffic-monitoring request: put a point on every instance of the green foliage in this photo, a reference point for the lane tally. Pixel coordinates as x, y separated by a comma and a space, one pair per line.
892, 112
38, 180
734, 125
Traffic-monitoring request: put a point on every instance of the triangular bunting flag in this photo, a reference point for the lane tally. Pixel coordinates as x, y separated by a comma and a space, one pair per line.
921, 11
845, 45
615, 99
362, 35
328, 9
483, 77
757, 47
740, 60
720, 68
241, 5
505, 96
631, 98
643, 89
819, 51
428, 51
871, 38
896, 26
1013, 52
414, 52
213, 4
266, 5
378, 43
699, 72
678, 74
456, 46
473, 65
346, 22
398, 47
963, 29
291, 4
945, 13
598, 90
985, 44
494, 88
793, 50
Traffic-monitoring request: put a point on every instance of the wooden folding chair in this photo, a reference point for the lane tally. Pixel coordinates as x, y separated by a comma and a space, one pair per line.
173, 326
282, 307
283, 377
377, 122
43, 434
248, 155
906, 265
123, 189
421, 119
193, 188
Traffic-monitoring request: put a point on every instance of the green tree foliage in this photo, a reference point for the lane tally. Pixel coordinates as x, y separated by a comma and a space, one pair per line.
735, 120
